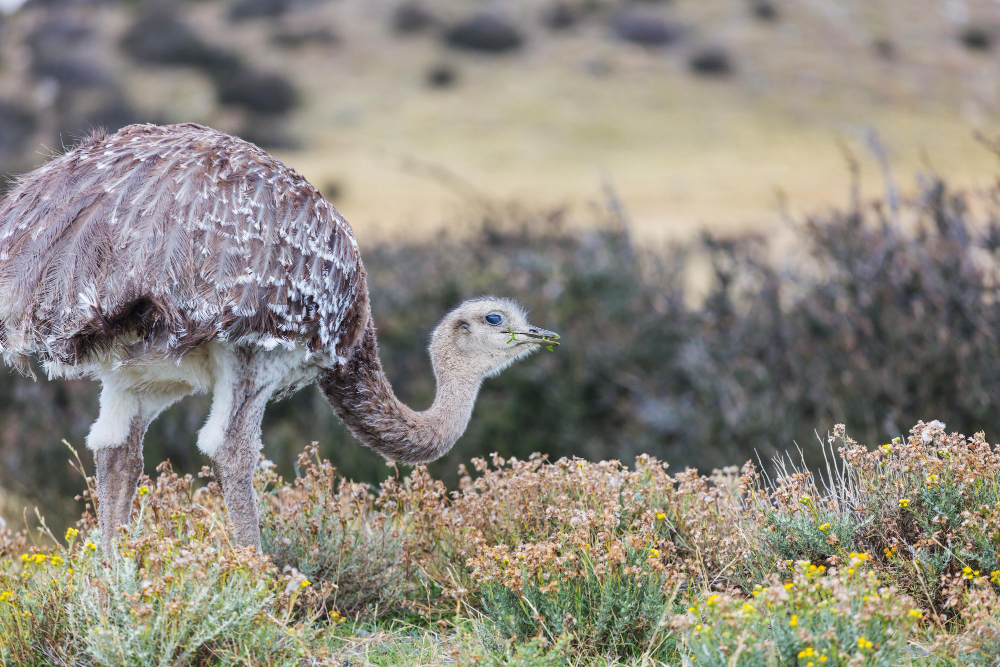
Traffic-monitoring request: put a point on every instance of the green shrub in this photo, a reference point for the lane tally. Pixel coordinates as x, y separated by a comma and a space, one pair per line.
326, 528
844, 616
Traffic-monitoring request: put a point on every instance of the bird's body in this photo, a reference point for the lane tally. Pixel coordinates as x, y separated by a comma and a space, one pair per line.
183, 234
165, 261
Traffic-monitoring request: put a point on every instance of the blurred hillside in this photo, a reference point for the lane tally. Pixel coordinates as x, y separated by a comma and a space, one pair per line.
698, 111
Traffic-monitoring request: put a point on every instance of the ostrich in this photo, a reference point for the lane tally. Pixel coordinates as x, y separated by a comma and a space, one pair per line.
168, 261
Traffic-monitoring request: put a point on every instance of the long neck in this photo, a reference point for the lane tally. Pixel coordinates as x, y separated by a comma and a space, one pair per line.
362, 397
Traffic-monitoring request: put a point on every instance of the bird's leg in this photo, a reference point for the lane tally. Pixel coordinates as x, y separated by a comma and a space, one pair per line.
231, 436
118, 472
116, 439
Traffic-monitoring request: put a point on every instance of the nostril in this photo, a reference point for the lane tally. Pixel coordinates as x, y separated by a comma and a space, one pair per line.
533, 330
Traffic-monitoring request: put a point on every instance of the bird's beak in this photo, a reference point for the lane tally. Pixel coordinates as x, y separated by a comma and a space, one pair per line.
541, 336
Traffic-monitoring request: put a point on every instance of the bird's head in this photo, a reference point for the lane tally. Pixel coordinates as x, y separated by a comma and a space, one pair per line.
486, 335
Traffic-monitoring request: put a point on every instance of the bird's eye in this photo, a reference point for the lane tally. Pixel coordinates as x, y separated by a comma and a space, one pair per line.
494, 319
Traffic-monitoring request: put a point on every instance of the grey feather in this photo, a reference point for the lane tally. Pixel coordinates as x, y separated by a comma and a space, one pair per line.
173, 235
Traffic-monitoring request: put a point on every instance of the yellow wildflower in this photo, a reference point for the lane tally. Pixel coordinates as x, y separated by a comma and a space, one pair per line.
6, 595
305, 583
57, 560
660, 516
916, 613
794, 621
864, 644
143, 490
90, 546
824, 527
712, 599
904, 502
806, 499
807, 652
71, 534
654, 552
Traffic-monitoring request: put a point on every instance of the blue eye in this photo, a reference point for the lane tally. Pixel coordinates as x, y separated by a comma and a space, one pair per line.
493, 319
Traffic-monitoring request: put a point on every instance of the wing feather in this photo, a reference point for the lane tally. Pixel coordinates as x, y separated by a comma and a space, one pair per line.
169, 236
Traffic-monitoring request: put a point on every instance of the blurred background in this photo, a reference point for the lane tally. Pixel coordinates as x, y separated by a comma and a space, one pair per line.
750, 219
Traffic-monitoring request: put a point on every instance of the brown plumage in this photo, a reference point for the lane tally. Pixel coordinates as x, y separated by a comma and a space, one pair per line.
166, 261
176, 235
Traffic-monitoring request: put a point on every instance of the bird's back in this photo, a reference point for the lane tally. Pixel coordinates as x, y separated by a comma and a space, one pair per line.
154, 240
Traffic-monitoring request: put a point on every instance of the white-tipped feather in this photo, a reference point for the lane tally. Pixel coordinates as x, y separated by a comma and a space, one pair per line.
203, 228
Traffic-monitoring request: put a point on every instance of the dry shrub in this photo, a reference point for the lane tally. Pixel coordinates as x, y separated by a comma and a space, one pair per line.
599, 553
889, 555
326, 528
484, 33
178, 592
842, 617
977, 640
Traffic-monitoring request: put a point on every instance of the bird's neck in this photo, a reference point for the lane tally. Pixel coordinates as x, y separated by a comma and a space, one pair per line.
361, 395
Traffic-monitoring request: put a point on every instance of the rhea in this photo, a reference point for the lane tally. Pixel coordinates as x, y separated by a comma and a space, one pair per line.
167, 261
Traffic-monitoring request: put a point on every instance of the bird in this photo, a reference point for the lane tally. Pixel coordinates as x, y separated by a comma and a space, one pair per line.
165, 261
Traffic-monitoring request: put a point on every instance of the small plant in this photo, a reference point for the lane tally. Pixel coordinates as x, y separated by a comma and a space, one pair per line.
550, 342
175, 593
327, 529
810, 617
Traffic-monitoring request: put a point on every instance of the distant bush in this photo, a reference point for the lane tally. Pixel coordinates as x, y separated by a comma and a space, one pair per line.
645, 28
411, 17
158, 37
976, 38
73, 73
57, 35
560, 16
17, 124
488, 33
442, 76
885, 48
268, 131
764, 10
263, 93
293, 39
240, 10
110, 112
711, 61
